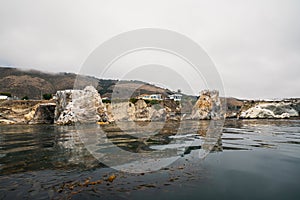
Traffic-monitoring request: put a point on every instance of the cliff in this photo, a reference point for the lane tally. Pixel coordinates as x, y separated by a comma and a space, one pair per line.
142, 111
86, 106
27, 112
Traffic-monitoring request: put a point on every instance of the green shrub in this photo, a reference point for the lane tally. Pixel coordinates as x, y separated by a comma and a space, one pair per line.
6, 94
133, 100
106, 101
25, 98
153, 102
47, 96
147, 101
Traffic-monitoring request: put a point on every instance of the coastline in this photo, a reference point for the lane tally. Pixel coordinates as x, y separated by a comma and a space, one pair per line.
44, 111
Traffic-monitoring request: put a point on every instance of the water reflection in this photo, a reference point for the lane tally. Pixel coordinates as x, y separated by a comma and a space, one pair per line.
147, 146
29, 148
38, 147
50, 162
260, 134
135, 140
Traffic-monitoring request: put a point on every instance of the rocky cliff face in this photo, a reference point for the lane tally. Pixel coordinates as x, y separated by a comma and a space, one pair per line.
79, 106
42, 113
260, 110
295, 104
138, 111
85, 106
208, 106
141, 111
27, 112
172, 110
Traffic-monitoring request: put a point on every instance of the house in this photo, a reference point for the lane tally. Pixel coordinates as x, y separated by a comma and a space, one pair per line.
155, 97
151, 97
175, 97
3, 97
143, 96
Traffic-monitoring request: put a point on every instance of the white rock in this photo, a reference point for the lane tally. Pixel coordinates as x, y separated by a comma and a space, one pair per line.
79, 106
270, 110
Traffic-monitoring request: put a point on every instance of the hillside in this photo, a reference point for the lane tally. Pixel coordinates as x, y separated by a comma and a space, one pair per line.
33, 83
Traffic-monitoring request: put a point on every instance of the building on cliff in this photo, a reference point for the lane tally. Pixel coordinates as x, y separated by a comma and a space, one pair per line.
175, 97
151, 97
3, 97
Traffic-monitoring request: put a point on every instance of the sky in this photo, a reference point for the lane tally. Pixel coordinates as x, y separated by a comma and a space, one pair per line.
255, 45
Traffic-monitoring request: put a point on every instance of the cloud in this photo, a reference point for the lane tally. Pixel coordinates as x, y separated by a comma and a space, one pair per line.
254, 44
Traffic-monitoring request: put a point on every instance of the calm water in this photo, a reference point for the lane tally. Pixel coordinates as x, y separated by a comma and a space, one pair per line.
254, 159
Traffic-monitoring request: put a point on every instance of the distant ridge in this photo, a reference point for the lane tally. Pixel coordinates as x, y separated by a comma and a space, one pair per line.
34, 83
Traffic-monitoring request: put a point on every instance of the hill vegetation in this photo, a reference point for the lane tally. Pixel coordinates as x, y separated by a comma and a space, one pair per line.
35, 84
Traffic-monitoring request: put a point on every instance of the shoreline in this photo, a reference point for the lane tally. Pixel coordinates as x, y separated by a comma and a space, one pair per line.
86, 106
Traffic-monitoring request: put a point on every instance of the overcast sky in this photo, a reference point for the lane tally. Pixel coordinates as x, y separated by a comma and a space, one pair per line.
255, 44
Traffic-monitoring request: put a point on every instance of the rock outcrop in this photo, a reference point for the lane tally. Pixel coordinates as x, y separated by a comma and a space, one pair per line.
6, 122
85, 106
138, 111
42, 113
79, 106
172, 110
27, 112
295, 104
141, 111
208, 106
268, 110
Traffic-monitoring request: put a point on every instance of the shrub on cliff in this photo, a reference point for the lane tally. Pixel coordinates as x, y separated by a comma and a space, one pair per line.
6, 94
106, 101
47, 96
25, 98
133, 100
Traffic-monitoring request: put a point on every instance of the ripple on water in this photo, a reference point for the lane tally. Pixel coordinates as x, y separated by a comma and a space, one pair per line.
37, 161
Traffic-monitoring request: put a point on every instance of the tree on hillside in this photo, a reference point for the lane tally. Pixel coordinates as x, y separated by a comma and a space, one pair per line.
47, 96
25, 98
6, 94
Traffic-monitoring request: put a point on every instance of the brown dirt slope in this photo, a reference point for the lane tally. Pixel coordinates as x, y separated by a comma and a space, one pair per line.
34, 83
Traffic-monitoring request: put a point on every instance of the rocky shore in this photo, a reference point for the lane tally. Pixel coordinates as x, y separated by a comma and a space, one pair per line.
27, 112
270, 109
86, 106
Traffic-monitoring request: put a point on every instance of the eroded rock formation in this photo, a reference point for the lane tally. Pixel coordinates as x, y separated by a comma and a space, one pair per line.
138, 111
27, 112
208, 106
85, 106
42, 113
269, 110
79, 106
